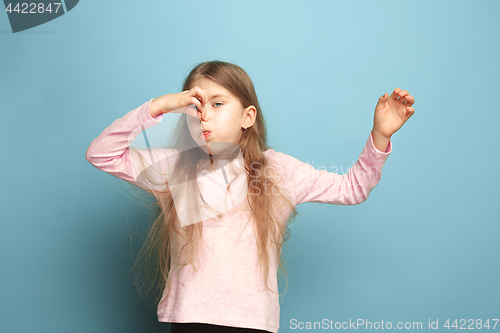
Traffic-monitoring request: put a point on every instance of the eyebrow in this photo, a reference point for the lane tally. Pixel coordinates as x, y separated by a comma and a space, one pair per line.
217, 96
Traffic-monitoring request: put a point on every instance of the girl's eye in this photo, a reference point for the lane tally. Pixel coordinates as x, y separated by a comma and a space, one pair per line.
218, 103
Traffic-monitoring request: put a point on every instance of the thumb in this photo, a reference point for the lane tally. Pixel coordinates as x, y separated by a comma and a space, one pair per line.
382, 99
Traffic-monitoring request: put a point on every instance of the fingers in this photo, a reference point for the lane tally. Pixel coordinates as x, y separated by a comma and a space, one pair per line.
198, 93
397, 93
410, 111
409, 100
196, 102
403, 96
199, 98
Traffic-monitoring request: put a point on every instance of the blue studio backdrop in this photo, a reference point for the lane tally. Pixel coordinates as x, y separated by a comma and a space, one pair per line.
423, 248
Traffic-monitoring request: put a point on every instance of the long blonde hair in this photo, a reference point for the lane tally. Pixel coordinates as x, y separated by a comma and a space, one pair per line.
166, 241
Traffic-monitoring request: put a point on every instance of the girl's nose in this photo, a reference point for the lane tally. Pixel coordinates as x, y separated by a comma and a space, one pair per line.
203, 113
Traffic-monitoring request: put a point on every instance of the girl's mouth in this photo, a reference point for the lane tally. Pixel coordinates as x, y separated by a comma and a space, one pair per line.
205, 134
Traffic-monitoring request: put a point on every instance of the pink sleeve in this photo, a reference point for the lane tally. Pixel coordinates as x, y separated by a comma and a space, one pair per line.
110, 151
307, 184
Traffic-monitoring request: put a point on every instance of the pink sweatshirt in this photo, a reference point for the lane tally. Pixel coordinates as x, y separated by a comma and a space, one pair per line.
227, 288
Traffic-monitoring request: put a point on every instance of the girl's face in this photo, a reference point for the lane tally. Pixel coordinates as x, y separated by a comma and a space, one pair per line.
225, 116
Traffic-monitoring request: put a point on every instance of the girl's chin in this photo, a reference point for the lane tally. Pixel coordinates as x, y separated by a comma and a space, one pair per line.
218, 148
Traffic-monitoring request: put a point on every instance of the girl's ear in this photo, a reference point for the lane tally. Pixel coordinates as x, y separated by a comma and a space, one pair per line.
250, 113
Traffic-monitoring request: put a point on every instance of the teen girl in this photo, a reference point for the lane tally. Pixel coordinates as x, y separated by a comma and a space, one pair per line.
225, 198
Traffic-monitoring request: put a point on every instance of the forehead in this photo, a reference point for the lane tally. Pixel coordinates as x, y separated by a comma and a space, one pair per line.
212, 88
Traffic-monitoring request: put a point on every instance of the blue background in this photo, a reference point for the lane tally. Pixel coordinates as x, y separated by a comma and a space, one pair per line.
424, 246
